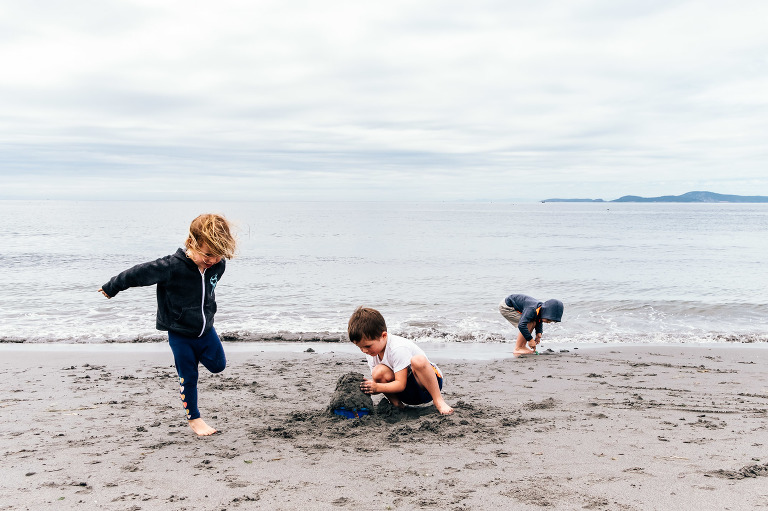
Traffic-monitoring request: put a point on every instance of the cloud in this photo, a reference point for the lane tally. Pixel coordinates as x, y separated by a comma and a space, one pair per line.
427, 100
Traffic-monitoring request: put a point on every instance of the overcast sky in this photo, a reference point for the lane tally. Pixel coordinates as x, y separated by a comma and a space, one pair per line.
356, 100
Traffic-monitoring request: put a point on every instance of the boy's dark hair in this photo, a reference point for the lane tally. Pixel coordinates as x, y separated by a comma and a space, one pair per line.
365, 323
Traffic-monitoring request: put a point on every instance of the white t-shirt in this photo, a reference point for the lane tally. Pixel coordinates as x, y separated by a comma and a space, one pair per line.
397, 355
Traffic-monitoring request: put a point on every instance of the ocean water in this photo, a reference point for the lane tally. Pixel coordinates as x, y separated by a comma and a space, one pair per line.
627, 273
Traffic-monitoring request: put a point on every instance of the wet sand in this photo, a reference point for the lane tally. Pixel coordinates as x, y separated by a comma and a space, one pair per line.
629, 428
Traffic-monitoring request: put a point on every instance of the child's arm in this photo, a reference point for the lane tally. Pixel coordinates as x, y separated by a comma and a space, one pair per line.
144, 274
527, 317
532, 343
393, 387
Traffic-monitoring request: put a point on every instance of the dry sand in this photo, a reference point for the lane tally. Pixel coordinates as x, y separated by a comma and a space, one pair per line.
628, 428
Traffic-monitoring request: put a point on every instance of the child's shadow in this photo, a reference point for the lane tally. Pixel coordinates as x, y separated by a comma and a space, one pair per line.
386, 411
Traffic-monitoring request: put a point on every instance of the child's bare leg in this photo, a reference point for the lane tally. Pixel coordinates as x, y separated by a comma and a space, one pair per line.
425, 375
200, 427
383, 374
520, 345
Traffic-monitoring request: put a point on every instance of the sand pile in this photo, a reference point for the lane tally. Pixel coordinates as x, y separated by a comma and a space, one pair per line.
349, 398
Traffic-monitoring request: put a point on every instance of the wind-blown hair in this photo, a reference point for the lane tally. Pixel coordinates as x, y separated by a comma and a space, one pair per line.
213, 230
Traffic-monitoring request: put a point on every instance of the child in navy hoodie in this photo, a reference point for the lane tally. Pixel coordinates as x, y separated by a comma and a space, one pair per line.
527, 314
186, 303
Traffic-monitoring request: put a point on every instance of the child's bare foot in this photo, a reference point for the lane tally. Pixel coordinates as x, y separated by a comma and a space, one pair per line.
396, 403
443, 407
201, 428
523, 351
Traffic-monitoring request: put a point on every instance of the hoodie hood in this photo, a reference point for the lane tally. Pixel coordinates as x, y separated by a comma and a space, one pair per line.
552, 310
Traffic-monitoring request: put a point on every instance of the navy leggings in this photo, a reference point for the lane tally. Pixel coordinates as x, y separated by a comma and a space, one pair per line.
188, 352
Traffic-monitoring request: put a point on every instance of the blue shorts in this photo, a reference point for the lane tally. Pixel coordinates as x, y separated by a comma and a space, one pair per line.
415, 394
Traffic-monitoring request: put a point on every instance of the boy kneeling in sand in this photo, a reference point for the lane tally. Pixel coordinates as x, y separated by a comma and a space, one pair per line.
399, 369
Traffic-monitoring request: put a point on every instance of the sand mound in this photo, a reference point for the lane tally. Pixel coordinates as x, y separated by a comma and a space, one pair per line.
348, 395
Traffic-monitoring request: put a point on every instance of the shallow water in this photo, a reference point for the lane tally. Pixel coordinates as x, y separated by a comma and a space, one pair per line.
627, 273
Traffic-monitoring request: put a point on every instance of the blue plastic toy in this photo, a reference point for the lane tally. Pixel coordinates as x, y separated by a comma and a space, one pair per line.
351, 414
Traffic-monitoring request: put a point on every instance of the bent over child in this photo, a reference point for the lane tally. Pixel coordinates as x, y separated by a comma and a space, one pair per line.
527, 313
399, 368
186, 303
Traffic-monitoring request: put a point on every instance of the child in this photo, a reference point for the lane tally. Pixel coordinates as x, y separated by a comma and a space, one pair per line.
399, 369
186, 303
528, 313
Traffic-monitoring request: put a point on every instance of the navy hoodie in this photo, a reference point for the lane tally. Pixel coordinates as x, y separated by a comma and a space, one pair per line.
186, 301
531, 309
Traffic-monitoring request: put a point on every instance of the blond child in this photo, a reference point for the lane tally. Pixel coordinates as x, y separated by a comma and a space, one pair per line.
186, 303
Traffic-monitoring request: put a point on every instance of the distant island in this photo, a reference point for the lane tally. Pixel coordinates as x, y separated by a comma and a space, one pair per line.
686, 197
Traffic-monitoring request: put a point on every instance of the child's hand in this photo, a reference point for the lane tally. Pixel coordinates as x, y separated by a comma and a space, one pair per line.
104, 293
369, 386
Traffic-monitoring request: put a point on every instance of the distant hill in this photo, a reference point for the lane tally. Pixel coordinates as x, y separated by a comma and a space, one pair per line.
695, 197
686, 197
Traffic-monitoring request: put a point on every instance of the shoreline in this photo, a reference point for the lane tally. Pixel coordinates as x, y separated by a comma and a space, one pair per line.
440, 350
605, 427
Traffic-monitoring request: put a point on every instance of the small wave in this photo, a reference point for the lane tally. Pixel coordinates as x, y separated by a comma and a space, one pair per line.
433, 334
430, 334
142, 339
244, 336
8, 340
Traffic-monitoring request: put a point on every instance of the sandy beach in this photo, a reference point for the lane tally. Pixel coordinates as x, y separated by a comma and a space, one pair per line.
629, 428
